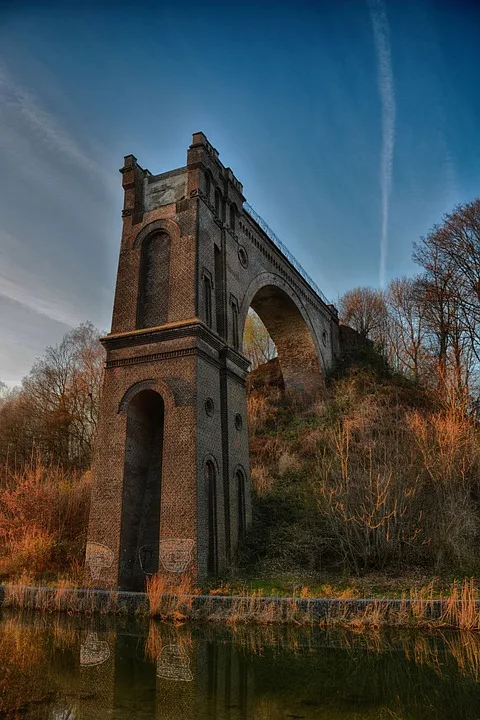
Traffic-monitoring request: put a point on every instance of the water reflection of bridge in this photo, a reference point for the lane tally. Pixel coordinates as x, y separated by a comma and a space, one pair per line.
173, 679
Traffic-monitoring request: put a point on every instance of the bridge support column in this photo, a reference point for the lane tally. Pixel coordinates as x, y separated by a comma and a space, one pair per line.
171, 481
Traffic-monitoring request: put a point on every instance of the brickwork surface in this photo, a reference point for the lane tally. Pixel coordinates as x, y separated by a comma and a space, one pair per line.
192, 261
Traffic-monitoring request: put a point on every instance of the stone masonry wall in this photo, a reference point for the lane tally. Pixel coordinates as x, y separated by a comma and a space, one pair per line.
220, 263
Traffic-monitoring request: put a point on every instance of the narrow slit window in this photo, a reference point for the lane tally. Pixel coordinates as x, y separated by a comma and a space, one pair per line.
207, 288
212, 517
241, 510
235, 325
219, 303
208, 185
218, 203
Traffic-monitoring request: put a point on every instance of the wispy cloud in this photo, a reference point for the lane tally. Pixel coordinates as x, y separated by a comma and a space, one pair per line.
25, 333
43, 129
42, 123
381, 36
31, 286
53, 270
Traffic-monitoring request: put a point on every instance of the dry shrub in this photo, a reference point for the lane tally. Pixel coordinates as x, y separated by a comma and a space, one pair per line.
373, 476
261, 409
43, 520
448, 447
262, 480
462, 606
170, 596
33, 550
288, 462
396, 487
368, 491
309, 441
253, 608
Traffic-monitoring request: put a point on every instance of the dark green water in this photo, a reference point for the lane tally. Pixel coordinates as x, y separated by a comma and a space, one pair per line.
63, 667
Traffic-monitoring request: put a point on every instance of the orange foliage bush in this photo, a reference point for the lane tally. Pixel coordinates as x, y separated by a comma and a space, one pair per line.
43, 519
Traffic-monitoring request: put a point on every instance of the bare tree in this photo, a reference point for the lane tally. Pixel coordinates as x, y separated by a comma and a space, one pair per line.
55, 412
364, 310
450, 257
407, 327
258, 346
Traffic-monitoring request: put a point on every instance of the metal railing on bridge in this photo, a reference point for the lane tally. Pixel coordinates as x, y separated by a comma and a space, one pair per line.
283, 249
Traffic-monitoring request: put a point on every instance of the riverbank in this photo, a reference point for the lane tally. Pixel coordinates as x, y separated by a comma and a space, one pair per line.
459, 610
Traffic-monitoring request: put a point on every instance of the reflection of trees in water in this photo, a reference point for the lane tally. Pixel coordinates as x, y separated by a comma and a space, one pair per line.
35, 664
371, 675
231, 673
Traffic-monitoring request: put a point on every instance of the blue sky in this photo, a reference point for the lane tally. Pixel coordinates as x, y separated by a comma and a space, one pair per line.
353, 125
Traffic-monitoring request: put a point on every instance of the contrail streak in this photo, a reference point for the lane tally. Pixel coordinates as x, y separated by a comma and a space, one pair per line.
381, 36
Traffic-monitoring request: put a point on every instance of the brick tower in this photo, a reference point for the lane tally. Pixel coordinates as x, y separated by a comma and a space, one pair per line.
171, 490
171, 472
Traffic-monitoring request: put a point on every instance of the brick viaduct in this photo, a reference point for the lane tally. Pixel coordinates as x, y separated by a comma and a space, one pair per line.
171, 469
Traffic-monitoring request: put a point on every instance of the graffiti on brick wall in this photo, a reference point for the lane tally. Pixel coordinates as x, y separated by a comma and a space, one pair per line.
176, 554
146, 557
94, 651
98, 557
173, 664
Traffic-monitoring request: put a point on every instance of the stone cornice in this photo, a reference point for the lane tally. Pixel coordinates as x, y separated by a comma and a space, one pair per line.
171, 331
235, 357
172, 355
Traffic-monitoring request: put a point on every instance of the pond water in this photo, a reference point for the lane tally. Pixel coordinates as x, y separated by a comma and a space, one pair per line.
59, 667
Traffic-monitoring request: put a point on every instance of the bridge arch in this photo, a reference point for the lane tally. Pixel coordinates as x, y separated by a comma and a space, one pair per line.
285, 317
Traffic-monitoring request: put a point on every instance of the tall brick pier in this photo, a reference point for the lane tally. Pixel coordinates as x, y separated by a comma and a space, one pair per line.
171, 469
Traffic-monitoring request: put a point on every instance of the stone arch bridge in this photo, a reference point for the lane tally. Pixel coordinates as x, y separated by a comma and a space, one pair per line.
171, 485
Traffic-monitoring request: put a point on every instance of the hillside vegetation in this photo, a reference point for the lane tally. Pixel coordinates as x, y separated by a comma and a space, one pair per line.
375, 475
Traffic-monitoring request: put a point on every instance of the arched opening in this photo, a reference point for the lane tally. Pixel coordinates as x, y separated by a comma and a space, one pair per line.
265, 386
152, 307
285, 369
258, 346
298, 356
212, 550
142, 481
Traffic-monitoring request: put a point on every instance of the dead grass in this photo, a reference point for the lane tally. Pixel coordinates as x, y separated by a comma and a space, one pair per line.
456, 608
175, 600
397, 487
288, 462
170, 597
370, 477
262, 480
43, 521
